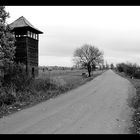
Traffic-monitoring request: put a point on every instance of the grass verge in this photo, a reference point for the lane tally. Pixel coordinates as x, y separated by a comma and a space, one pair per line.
135, 104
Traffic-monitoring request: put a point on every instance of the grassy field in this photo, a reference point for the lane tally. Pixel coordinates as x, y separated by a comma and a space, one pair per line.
66, 76
69, 79
48, 84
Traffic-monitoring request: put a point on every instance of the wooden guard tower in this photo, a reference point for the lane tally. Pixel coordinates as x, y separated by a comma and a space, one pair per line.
27, 39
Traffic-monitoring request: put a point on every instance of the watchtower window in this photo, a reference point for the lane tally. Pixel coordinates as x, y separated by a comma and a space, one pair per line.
29, 34
20, 34
36, 36
32, 35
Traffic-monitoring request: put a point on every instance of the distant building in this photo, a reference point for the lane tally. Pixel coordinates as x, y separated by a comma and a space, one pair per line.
27, 39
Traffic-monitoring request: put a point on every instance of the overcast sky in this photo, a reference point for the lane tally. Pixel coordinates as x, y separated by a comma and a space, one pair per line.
113, 29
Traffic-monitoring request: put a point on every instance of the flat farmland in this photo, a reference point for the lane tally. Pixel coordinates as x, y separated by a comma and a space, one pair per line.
68, 77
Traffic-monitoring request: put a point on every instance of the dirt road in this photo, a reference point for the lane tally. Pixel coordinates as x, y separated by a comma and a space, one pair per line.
98, 107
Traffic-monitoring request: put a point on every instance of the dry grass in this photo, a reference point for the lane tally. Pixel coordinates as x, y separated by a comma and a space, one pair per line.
68, 79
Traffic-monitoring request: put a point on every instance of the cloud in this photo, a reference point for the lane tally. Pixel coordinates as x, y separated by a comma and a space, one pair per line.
55, 60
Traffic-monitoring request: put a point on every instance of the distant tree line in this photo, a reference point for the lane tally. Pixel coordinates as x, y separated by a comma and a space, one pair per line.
50, 68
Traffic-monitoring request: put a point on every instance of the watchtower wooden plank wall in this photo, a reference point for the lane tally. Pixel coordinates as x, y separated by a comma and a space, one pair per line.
27, 40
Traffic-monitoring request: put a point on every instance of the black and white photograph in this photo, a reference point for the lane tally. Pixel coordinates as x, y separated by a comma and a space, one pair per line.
69, 69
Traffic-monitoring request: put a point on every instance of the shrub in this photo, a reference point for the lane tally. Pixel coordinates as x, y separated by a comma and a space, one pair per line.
44, 85
120, 67
60, 82
6, 96
129, 69
23, 83
17, 76
17, 80
137, 75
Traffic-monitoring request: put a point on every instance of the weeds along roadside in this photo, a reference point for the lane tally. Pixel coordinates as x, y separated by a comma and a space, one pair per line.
24, 91
135, 103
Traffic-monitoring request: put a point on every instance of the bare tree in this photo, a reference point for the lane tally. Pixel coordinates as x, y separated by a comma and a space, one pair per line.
88, 56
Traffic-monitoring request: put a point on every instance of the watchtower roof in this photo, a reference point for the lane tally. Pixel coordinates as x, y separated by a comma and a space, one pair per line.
23, 22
